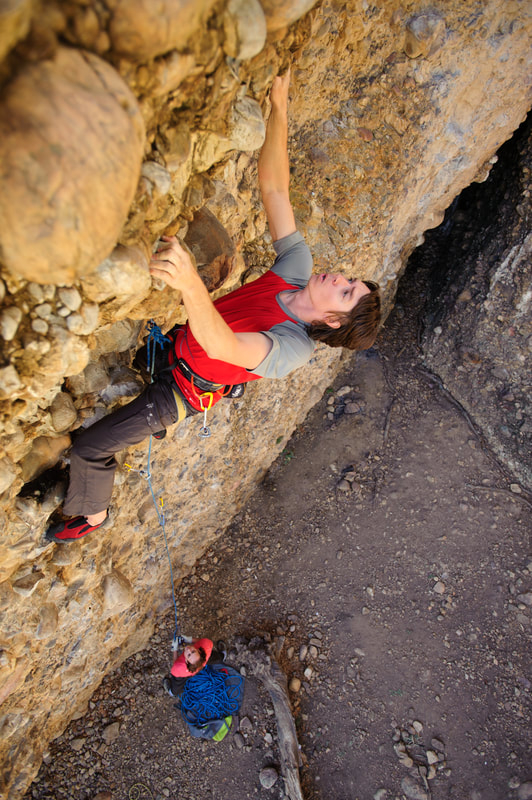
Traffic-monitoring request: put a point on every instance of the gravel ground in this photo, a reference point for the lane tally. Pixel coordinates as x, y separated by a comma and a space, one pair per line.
390, 557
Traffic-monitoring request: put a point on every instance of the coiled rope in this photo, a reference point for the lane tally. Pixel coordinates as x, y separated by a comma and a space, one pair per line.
207, 696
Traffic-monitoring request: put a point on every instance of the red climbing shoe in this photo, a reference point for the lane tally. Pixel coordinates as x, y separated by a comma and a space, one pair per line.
70, 530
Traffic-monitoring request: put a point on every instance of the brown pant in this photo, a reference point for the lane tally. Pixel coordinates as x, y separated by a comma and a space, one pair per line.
92, 461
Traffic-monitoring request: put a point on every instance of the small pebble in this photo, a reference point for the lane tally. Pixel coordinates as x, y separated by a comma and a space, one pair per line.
406, 761
40, 326
78, 744
365, 134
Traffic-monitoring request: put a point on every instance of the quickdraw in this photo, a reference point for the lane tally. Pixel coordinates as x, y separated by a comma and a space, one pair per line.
205, 431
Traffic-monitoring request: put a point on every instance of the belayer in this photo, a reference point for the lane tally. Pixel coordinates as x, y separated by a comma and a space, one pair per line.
195, 656
209, 692
264, 329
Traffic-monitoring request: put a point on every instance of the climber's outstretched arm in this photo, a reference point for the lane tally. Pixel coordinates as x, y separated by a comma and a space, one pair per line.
273, 167
174, 266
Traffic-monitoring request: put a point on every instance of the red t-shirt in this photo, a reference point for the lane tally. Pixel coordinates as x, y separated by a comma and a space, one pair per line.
180, 670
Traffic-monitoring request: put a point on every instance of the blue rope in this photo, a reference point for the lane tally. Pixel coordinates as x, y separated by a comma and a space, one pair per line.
207, 696
156, 337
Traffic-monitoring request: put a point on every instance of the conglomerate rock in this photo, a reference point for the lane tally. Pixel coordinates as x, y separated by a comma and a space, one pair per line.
123, 121
71, 140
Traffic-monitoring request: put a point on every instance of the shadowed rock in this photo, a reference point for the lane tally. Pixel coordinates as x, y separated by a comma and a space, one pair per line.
212, 248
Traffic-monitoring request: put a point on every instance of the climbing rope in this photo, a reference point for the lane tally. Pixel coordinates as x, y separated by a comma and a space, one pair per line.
207, 696
156, 337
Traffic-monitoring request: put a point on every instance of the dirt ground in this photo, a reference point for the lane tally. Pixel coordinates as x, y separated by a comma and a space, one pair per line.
387, 536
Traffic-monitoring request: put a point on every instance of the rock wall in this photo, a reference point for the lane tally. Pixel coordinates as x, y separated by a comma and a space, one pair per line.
119, 124
480, 336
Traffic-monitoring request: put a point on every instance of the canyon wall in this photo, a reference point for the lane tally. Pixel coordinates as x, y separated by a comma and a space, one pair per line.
120, 123
479, 340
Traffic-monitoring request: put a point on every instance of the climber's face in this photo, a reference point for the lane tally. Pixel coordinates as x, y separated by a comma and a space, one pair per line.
332, 293
192, 655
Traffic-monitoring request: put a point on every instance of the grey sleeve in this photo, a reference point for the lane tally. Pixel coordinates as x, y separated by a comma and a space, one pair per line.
294, 261
291, 347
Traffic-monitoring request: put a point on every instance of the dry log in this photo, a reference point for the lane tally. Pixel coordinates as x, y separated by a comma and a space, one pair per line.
261, 664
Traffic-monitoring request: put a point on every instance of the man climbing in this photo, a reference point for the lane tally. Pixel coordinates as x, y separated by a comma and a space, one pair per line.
265, 328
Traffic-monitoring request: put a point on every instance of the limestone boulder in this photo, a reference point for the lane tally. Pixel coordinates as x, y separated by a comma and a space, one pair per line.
68, 355
116, 337
141, 29
85, 321
71, 142
120, 282
244, 28
10, 319
44, 453
246, 132
168, 73
280, 13
15, 18
10, 383
63, 412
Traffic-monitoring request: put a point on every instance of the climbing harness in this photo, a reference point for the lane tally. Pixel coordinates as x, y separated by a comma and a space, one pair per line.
210, 695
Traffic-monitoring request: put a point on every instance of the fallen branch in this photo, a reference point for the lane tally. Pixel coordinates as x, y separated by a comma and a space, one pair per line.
261, 664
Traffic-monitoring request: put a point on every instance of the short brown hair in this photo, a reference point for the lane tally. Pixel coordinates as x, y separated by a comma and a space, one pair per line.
199, 663
358, 327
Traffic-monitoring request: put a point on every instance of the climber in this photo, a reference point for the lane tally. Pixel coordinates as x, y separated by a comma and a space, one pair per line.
266, 328
195, 656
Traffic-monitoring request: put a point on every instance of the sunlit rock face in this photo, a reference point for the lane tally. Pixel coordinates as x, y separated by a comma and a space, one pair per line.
118, 126
71, 144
